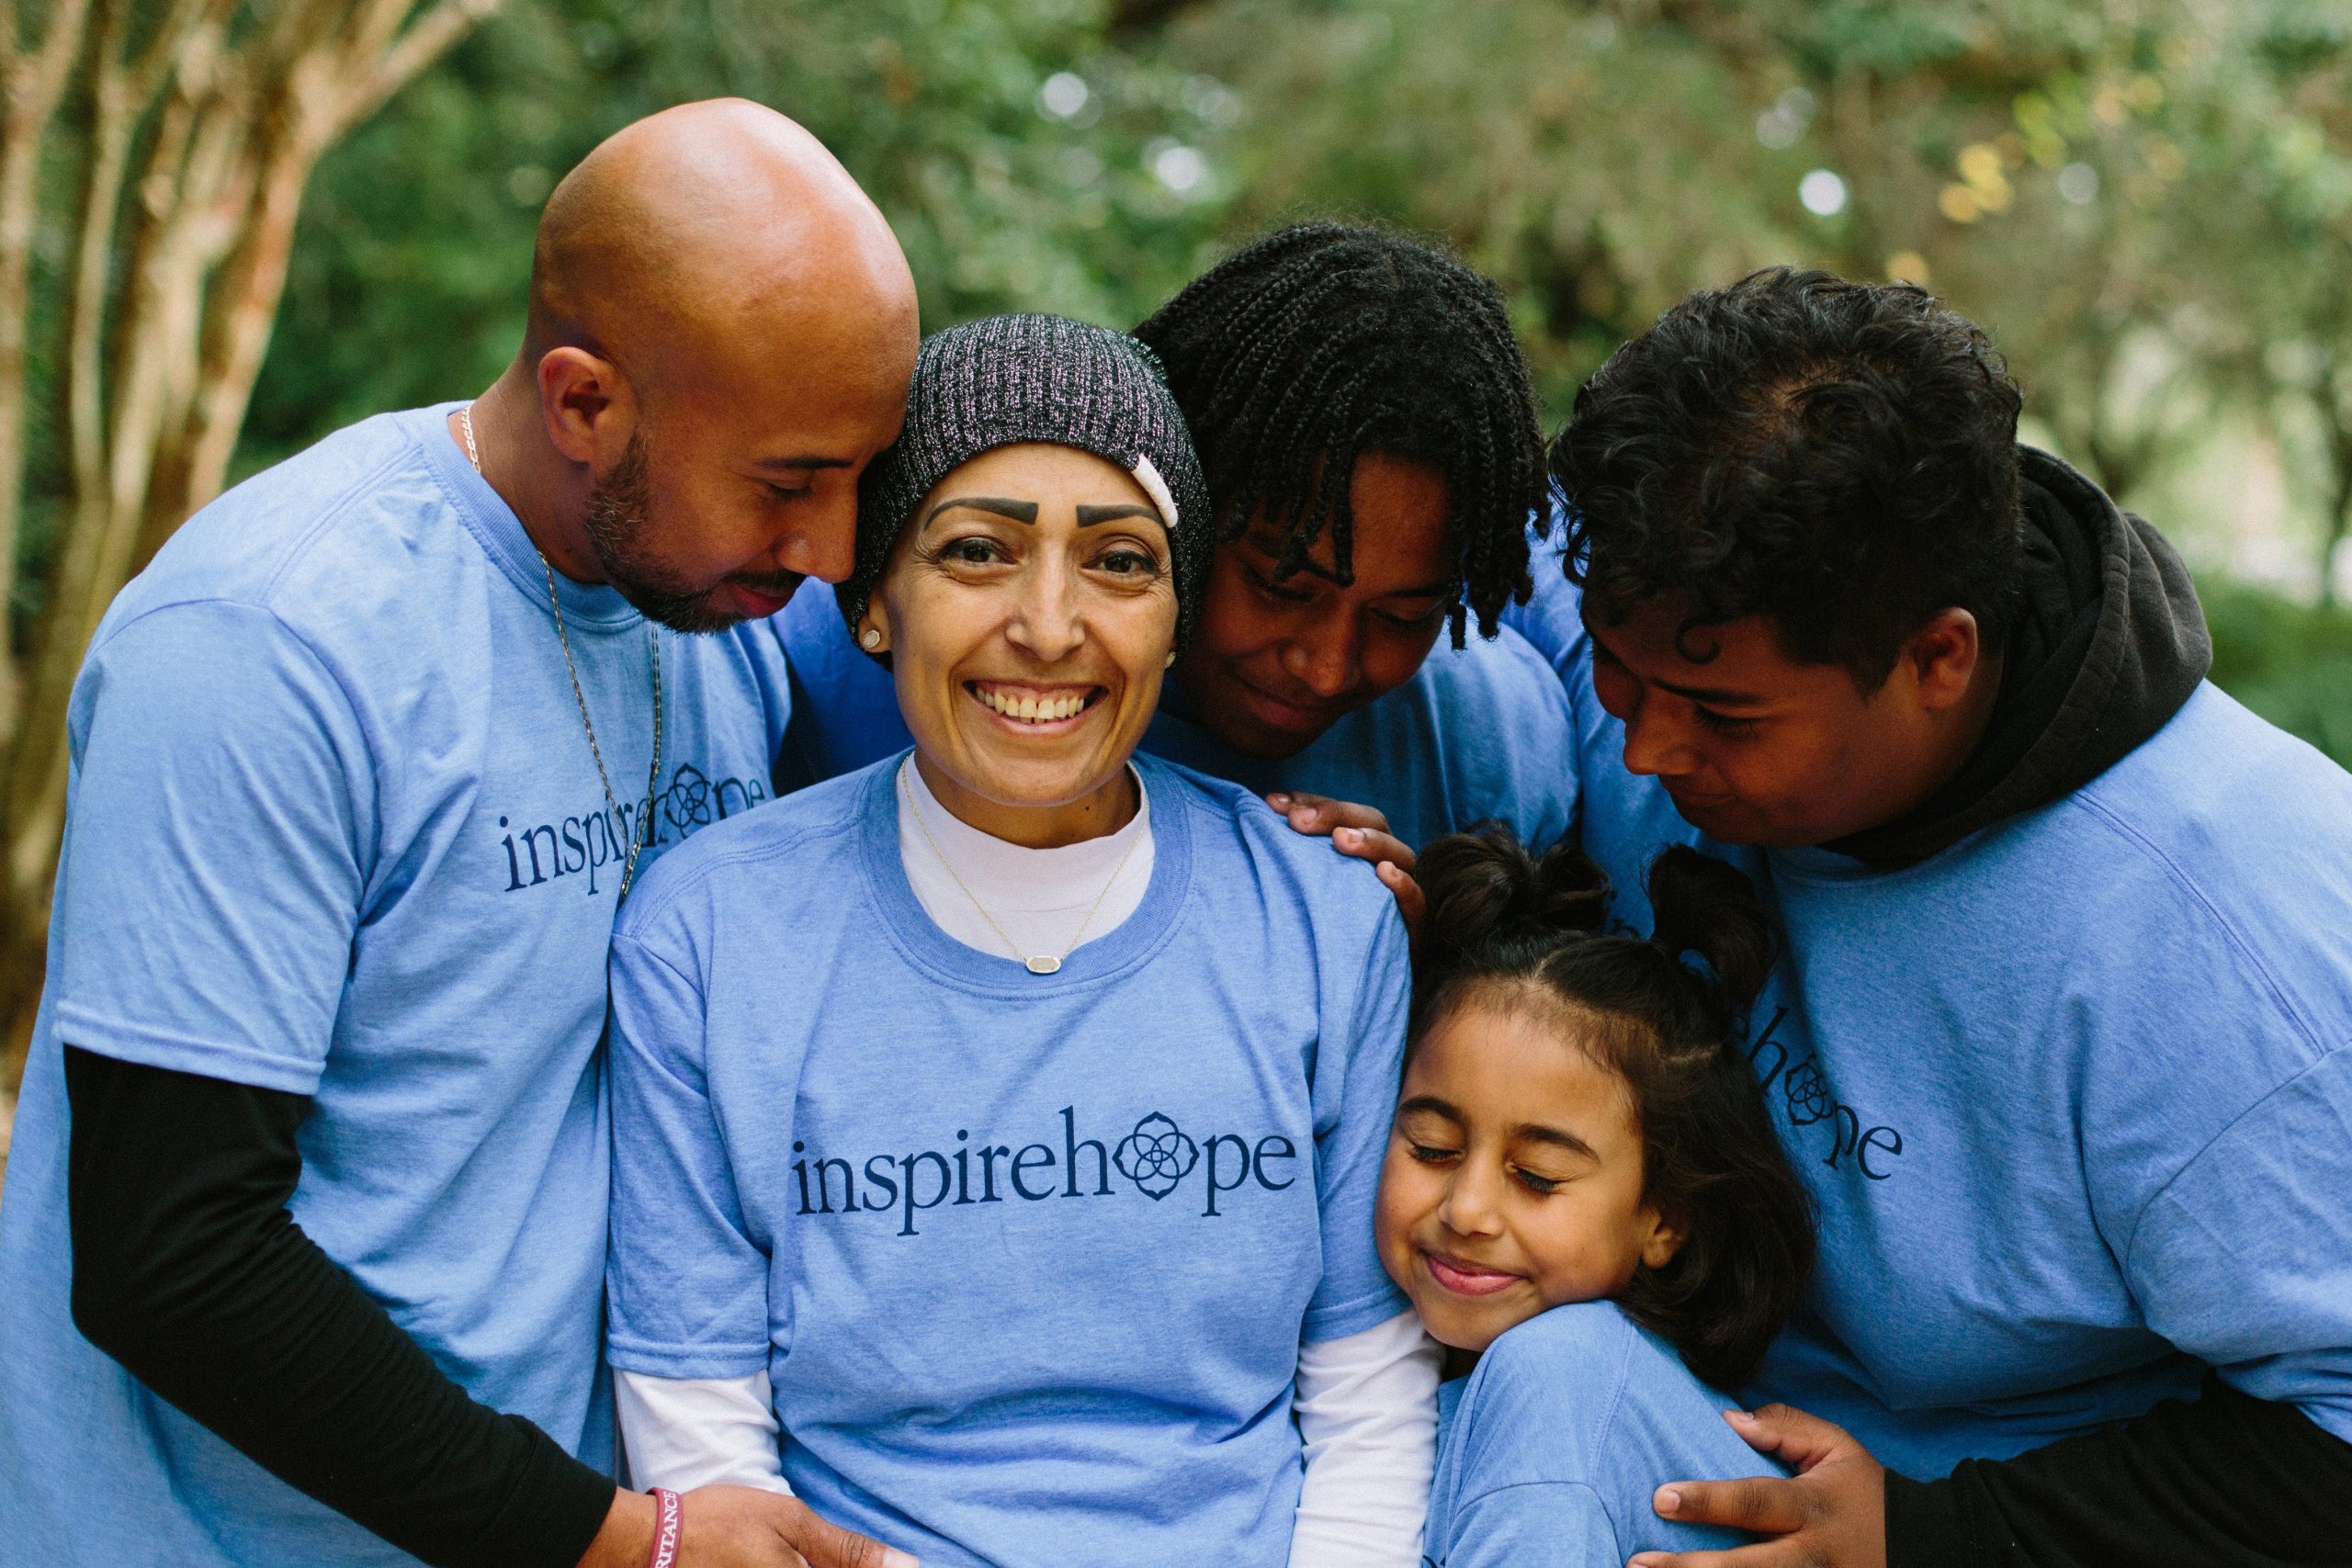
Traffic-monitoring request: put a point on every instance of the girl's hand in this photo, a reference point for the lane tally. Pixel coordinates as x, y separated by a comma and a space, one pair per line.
1831, 1513
1363, 833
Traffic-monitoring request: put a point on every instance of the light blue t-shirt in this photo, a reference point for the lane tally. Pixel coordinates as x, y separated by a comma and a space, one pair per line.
2071, 1096
1027, 1259
334, 829
1550, 1451
1479, 732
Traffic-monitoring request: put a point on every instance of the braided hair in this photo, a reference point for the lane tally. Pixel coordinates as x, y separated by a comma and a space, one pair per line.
1505, 925
1321, 341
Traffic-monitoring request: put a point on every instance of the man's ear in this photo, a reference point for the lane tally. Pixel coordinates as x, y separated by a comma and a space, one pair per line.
587, 405
1944, 654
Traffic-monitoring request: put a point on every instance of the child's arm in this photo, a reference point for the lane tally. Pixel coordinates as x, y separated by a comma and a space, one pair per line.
686, 1432
1367, 1411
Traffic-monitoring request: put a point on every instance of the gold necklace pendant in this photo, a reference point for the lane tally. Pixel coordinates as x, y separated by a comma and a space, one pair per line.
1041, 964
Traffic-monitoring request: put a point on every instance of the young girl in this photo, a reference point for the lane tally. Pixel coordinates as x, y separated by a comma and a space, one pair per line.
1583, 1197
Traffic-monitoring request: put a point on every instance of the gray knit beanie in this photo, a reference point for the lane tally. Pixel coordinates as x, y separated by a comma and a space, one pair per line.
1004, 379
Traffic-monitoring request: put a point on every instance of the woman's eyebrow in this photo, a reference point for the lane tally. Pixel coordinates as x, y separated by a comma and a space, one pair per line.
1016, 511
1090, 515
1432, 1104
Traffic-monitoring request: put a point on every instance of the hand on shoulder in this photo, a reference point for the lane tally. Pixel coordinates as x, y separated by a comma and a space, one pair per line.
1361, 832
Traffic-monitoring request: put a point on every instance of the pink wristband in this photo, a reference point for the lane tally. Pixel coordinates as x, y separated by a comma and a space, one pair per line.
668, 1513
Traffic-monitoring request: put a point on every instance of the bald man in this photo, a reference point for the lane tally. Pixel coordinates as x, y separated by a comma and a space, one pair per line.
304, 1225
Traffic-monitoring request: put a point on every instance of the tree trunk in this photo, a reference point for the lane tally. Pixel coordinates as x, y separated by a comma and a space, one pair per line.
222, 110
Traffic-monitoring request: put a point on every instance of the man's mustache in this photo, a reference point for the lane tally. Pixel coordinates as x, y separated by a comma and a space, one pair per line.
776, 584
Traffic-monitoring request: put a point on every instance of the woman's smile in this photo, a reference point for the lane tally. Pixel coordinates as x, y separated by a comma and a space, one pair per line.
1034, 708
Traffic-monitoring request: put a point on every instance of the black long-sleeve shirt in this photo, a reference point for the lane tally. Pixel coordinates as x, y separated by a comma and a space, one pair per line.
2227, 1480
190, 1271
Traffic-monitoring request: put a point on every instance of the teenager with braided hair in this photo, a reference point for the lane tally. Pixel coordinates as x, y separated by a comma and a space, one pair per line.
1365, 422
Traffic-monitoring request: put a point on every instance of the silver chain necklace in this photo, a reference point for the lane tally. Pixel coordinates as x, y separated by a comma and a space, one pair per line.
636, 839
1035, 963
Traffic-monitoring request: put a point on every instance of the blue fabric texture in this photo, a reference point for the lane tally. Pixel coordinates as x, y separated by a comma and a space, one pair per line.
334, 829
1550, 1451
2073, 1097
1028, 1259
1478, 733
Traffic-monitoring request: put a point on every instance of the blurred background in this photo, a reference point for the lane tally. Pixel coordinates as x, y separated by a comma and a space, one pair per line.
227, 228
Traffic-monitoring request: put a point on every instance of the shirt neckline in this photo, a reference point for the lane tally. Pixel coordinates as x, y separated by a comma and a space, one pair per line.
1021, 880
493, 525
918, 937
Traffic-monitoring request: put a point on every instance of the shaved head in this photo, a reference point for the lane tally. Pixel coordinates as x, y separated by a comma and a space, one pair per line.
721, 332
687, 229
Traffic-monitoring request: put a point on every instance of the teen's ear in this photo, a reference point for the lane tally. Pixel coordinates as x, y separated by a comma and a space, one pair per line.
1943, 655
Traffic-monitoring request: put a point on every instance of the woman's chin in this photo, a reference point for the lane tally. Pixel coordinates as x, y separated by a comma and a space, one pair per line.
1034, 782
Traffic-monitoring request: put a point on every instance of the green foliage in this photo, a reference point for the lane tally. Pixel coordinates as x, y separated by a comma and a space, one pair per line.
2148, 204
2291, 663
407, 282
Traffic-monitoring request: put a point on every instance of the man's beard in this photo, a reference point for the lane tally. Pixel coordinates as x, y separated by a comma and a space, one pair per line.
618, 519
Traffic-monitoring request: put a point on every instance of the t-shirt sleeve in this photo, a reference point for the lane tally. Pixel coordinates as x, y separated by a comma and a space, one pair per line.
686, 1286
1545, 758
216, 856
1558, 1523
2244, 1258
1355, 1097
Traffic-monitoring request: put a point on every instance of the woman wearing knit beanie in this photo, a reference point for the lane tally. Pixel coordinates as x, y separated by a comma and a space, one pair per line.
1370, 445
995, 1126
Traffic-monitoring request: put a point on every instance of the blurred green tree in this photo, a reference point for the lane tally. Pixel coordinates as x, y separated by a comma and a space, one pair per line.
1026, 161
153, 155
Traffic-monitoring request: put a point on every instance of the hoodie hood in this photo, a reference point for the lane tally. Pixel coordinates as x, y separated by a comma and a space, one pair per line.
2108, 643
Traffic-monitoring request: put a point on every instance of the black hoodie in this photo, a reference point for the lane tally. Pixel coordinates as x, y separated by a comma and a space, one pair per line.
2108, 643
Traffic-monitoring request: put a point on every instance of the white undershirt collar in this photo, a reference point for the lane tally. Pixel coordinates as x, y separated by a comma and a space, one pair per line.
1037, 896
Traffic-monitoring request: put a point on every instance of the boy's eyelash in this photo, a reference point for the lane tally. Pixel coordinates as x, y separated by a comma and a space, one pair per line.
1543, 1185
1427, 1155
1724, 723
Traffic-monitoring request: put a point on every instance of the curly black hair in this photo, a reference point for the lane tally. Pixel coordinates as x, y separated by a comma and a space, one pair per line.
1502, 923
1838, 456
1321, 341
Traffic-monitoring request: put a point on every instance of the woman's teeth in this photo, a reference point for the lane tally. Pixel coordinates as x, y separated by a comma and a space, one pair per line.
1037, 710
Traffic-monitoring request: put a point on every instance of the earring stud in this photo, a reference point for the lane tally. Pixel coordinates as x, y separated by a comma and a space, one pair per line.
1171, 660
870, 638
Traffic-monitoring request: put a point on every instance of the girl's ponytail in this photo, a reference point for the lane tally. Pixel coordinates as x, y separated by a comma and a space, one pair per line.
1700, 905
1484, 891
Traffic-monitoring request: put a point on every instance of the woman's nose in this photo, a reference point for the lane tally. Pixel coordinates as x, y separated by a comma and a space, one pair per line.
1046, 623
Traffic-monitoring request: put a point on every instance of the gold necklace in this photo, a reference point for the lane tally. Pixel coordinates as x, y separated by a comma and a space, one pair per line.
637, 837
1035, 963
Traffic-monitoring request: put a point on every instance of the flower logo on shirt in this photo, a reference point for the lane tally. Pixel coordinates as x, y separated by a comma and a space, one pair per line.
1808, 1094
1157, 1156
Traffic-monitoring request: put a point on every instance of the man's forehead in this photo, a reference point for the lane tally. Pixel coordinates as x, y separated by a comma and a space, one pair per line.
1374, 568
1734, 661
